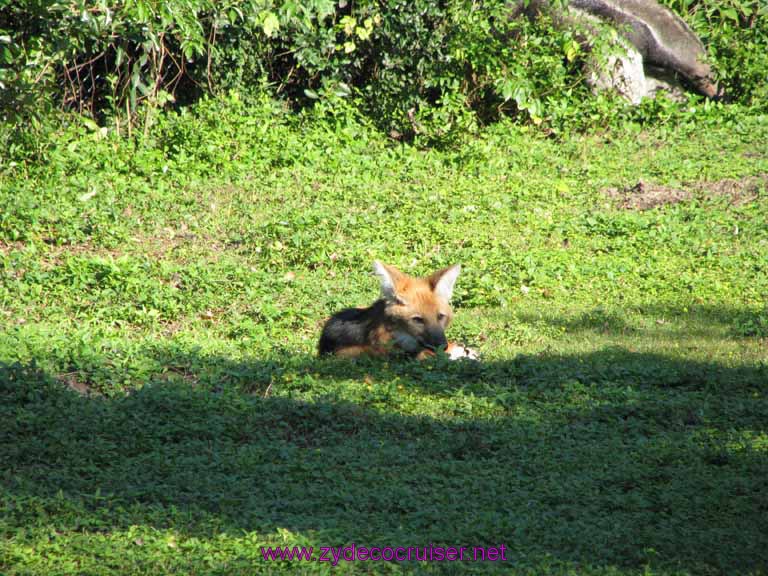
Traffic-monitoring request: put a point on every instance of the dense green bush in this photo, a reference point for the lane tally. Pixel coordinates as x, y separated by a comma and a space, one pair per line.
418, 68
103, 56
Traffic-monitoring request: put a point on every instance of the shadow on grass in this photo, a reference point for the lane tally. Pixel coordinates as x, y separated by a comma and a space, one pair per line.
697, 321
610, 458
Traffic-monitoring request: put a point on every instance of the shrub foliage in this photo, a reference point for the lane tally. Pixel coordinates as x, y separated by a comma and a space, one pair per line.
415, 66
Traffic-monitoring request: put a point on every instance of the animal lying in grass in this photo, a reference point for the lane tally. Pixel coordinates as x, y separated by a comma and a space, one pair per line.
411, 316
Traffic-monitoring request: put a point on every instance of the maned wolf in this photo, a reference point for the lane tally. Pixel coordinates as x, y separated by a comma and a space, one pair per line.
411, 316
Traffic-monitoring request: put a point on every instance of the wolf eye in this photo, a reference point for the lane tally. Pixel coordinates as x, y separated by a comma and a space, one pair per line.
418, 319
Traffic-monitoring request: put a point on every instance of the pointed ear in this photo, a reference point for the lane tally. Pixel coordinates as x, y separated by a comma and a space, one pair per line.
442, 281
388, 276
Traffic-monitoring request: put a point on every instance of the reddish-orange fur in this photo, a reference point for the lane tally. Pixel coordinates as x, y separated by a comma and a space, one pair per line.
412, 316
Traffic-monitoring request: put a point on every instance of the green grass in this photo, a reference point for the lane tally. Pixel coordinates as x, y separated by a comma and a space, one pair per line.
163, 410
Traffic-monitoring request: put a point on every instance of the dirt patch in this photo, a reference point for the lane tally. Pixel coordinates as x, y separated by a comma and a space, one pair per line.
738, 190
7, 247
71, 381
645, 196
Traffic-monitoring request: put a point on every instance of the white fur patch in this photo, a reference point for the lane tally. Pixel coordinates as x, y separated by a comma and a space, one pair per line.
459, 352
444, 286
387, 285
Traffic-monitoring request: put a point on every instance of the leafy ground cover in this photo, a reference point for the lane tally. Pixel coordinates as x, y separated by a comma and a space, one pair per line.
163, 410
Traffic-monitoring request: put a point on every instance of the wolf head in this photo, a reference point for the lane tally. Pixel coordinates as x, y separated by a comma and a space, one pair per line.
418, 309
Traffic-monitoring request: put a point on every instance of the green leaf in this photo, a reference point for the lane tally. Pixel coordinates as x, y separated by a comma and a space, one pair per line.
571, 49
271, 24
348, 23
119, 56
90, 124
343, 90
363, 33
730, 13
